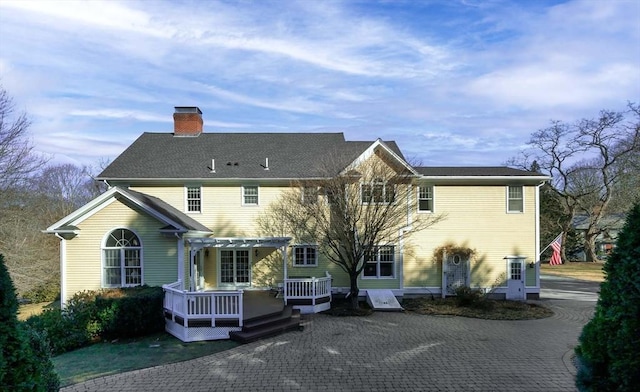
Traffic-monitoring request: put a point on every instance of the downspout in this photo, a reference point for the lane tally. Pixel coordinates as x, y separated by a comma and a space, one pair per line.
401, 238
63, 273
537, 262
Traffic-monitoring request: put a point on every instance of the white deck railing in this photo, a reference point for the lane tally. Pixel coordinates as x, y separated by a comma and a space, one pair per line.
307, 288
202, 305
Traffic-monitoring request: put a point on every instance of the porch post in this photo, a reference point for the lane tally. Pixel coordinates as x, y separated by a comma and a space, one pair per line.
286, 275
192, 278
181, 276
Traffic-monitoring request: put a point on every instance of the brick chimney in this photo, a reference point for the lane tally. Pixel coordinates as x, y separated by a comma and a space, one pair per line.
187, 121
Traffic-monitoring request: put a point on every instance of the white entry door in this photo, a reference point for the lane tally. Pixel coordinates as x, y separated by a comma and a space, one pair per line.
515, 281
235, 268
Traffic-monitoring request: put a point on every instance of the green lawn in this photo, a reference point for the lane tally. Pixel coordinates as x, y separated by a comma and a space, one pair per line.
102, 359
579, 270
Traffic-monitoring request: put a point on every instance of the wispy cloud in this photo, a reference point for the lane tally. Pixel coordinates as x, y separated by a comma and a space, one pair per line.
454, 82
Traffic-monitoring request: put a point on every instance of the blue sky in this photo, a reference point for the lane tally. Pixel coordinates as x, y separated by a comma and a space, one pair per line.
453, 82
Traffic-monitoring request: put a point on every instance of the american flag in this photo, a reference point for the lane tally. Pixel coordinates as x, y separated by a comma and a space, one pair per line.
556, 245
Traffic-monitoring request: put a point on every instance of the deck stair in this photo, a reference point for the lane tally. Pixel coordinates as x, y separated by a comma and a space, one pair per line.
268, 325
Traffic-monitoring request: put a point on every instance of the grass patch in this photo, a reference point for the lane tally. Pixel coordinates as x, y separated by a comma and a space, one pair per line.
577, 270
27, 310
484, 309
103, 359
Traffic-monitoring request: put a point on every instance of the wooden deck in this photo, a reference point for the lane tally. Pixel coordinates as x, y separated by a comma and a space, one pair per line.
259, 303
210, 315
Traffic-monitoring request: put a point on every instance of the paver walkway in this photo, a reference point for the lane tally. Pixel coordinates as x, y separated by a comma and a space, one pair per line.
386, 352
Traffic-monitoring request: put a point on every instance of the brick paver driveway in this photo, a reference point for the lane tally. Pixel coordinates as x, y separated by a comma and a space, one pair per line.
390, 352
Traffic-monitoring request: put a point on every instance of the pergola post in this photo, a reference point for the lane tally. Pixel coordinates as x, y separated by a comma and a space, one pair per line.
284, 273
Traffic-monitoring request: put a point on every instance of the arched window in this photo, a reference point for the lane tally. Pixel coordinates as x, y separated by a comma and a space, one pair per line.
122, 259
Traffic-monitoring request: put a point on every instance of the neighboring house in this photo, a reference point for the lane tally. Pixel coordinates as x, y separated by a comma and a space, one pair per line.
181, 212
608, 229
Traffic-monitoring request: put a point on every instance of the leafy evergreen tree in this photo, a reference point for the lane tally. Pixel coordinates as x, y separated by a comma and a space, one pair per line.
25, 359
608, 350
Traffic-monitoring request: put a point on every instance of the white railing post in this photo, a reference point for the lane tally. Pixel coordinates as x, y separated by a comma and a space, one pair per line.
313, 291
239, 298
213, 308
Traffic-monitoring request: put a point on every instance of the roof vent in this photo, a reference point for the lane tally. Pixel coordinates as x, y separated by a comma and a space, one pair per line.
187, 121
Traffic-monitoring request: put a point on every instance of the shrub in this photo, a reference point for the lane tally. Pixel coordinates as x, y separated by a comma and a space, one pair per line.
130, 312
63, 332
47, 291
466, 296
25, 359
608, 347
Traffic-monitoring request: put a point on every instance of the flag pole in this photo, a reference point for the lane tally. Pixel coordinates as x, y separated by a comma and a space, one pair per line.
547, 247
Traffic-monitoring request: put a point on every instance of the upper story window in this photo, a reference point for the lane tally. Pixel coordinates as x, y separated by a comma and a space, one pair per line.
122, 259
194, 198
380, 263
305, 256
515, 198
310, 195
250, 195
377, 191
425, 198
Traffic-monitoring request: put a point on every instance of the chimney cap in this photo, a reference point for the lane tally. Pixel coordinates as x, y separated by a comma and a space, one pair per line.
188, 109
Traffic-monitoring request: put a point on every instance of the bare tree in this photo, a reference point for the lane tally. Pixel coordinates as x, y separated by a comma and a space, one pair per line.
585, 161
349, 216
17, 159
55, 191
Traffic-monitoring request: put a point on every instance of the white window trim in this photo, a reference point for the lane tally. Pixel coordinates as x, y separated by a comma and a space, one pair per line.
433, 199
384, 184
303, 193
122, 266
523, 265
378, 277
508, 199
243, 195
186, 199
305, 265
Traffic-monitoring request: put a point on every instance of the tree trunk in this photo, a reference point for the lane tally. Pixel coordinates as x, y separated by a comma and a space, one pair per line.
589, 247
354, 290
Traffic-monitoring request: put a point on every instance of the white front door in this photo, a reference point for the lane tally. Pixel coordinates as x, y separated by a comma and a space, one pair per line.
235, 268
515, 281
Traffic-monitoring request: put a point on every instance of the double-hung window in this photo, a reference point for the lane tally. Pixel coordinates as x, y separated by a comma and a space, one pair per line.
310, 195
377, 192
305, 256
122, 259
425, 198
250, 195
380, 262
515, 199
194, 198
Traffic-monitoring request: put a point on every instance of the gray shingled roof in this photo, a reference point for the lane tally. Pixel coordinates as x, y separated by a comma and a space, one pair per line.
237, 155
461, 171
167, 210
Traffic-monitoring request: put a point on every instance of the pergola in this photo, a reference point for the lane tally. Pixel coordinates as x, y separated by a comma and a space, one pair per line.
198, 244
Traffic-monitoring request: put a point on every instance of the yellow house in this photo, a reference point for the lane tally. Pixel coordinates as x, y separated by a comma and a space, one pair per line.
182, 208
